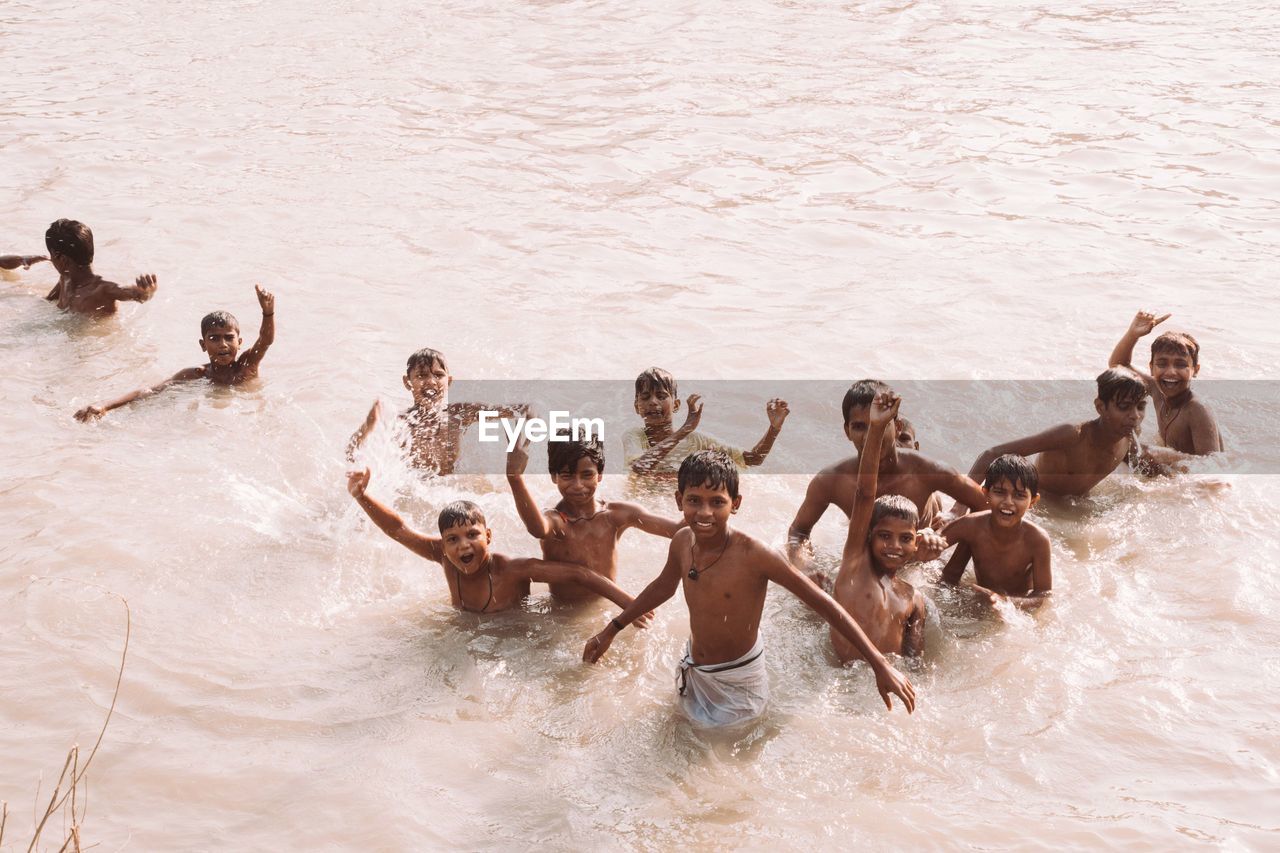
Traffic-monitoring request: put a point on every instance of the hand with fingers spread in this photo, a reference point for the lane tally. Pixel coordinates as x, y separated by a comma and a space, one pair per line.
1144, 322
694, 417
146, 286
777, 411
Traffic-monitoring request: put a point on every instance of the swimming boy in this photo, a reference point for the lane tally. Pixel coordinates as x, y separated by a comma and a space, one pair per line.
221, 341
581, 529
80, 290
725, 575
881, 540
654, 447
1185, 423
479, 580
1011, 557
435, 425
1075, 457
902, 471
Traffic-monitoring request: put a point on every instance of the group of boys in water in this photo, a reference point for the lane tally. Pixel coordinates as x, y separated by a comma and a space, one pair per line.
891, 493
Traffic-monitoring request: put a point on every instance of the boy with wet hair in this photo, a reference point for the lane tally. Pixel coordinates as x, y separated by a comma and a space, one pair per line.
1011, 556
654, 447
725, 575
881, 540
582, 528
1075, 457
435, 426
221, 341
80, 290
902, 471
479, 580
1184, 422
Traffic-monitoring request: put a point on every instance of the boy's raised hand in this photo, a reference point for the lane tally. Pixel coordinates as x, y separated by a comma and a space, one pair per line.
266, 299
1144, 322
357, 482
884, 408
694, 417
777, 411
518, 457
146, 286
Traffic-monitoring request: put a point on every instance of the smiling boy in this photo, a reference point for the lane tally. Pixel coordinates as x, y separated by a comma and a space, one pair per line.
582, 528
220, 339
1011, 556
435, 425
725, 575
479, 580
1185, 423
79, 289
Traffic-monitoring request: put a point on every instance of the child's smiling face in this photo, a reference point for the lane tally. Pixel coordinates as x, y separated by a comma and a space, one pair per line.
1173, 372
578, 485
428, 383
656, 405
466, 546
1008, 502
707, 509
893, 543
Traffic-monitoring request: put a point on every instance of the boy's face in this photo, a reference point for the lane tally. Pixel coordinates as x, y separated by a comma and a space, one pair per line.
579, 483
1173, 372
467, 546
1008, 502
428, 383
859, 421
707, 509
1121, 417
656, 405
893, 544
222, 344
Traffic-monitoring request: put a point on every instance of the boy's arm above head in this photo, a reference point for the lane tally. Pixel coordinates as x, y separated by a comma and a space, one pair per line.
658, 592
776, 410
538, 525
89, 413
816, 500
142, 290
267, 332
652, 457
357, 438
1059, 437
390, 522
884, 408
634, 515
12, 262
1122, 356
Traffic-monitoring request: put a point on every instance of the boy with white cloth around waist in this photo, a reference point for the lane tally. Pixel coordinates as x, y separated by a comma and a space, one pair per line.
725, 574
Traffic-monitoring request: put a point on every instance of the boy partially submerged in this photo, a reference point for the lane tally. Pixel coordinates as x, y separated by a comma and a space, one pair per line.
1011, 556
582, 528
479, 580
79, 289
221, 341
435, 426
725, 575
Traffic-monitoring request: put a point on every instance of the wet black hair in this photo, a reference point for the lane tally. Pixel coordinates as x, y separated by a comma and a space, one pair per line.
860, 394
217, 319
72, 239
1018, 470
1179, 343
710, 468
655, 379
426, 357
894, 506
563, 453
1120, 384
459, 514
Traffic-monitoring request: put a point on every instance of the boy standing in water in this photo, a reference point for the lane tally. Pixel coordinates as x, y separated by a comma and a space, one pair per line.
725, 575
581, 529
435, 425
1185, 424
79, 290
221, 341
1010, 555
479, 580
652, 448
881, 540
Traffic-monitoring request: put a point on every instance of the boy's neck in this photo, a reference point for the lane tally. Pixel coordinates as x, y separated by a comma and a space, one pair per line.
1177, 401
574, 510
1003, 535
713, 543
79, 275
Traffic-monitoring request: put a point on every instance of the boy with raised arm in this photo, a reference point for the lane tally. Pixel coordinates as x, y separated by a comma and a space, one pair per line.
881, 540
435, 426
582, 528
725, 575
1010, 554
1185, 423
221, 341
654, 447
479, 580
80, 290
902, 471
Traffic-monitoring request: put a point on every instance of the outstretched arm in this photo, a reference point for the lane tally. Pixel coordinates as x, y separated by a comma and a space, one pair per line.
547, 571
1054, 438
658, 592
535, 522
1122, 355
389, 522
634, 515
357, 438
884, 408
266, 333
776, 410
12, 262
89, 413
142, 290
653, 457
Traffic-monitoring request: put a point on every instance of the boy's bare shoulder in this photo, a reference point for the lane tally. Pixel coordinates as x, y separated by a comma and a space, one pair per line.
1033, 532
964, 527
914, 462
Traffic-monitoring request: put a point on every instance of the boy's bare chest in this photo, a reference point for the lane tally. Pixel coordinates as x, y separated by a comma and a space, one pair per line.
590, 542
880, 609
1174, 424
1004, 568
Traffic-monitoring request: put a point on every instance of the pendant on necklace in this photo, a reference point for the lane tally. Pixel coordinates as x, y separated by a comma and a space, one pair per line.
693, 573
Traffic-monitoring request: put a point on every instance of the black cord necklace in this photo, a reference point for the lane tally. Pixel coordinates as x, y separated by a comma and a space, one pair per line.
488, 570
694, 571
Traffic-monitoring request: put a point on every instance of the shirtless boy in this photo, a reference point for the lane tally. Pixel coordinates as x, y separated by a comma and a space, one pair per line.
435, 425
479, 580
654, 447
582, 529
902, 471
80, 290
1075, 457
1010, 554
220, 339
1185, 423
725, 574
881, 540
